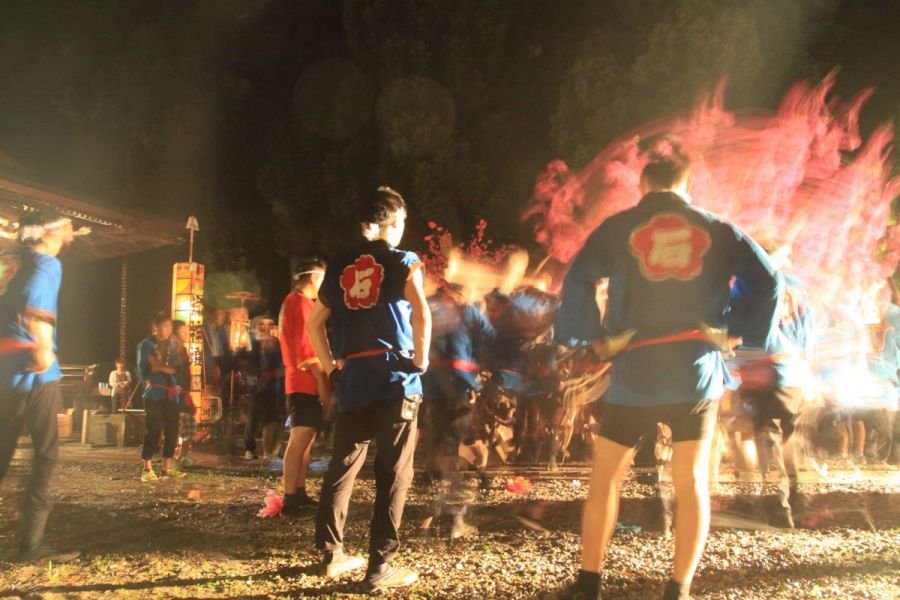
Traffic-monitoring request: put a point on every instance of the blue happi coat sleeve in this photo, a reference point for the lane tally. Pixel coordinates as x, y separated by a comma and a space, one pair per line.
754, 312
144, 351
41, 291
578, 318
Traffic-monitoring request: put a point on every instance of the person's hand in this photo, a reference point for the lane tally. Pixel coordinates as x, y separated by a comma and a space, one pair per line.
721, 339
334, 377
41, 360
611, 345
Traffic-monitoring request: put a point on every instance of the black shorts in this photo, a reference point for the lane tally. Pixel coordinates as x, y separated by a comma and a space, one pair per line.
627, 425
451, 421
305, 410
782, 403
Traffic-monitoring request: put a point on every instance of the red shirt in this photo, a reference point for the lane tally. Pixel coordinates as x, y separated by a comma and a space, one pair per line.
296, 347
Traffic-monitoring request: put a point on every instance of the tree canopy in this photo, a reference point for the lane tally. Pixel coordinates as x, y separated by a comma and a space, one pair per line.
268, 119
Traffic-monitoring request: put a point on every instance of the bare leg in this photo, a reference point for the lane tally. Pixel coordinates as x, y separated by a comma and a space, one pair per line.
690, 474
601, 509
859, 437
296, 458
270, 439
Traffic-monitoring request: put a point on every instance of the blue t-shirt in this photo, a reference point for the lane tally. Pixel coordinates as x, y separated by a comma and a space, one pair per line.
794, 338
364, 289
29, 287
157, 386
670, 267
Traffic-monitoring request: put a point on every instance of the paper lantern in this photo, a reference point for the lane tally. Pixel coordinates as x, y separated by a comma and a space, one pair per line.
187, 306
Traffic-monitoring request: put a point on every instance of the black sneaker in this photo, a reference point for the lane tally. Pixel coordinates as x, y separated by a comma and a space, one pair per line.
778, 515
297, 504
305, 501
339, 563
390, 577
573, 592
46, 553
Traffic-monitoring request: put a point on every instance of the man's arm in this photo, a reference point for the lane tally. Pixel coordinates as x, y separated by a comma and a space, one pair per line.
578, 316
42, 355
158, 366
287, 327
754, 316
414, 291
318, 335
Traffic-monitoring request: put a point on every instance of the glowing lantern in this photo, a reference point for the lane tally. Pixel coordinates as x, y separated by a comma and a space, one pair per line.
187, 306
239, 332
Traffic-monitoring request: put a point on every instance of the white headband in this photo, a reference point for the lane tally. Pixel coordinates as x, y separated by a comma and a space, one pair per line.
302, 273
30, 233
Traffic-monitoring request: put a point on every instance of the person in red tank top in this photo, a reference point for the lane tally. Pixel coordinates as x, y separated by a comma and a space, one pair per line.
306, 387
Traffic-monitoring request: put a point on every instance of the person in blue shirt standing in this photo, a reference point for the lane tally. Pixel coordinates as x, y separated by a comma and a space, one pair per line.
669, 318
460, 332
777, 400
158, 360
373, 299
30, 276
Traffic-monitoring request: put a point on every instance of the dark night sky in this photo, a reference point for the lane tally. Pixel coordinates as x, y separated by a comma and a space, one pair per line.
267, 117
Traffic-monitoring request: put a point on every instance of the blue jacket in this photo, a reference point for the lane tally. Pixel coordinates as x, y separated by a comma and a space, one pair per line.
29, 286
365, 292
670, 268
460, 333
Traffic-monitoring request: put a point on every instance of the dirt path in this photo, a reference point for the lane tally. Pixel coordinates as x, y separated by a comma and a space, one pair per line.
199, 537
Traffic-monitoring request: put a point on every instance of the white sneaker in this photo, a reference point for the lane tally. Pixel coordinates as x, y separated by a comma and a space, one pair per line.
250, 455
341, 563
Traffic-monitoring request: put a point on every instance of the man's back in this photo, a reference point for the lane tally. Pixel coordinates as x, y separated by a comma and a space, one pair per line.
370, 322
670, 269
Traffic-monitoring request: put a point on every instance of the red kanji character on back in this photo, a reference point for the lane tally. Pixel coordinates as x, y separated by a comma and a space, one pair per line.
361, 282
669, 246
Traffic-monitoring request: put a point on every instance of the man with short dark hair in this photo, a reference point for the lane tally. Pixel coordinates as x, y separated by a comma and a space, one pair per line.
306, 387
373, 298
30, 395
670, 269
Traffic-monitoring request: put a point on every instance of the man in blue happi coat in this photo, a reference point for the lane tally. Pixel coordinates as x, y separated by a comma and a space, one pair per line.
670, 268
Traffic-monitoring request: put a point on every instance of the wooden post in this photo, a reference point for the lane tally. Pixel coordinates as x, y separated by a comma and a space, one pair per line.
123, 306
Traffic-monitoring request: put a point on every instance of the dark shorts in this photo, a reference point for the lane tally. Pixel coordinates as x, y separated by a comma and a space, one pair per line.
783, 403
305, 410
451, 421
627, 425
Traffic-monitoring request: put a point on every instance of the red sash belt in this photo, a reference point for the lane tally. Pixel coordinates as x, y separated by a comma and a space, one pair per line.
458, 364
366, 353
11, 346
171, 390
681, 336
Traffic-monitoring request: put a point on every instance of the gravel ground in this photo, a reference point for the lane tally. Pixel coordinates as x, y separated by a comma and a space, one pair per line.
199, 537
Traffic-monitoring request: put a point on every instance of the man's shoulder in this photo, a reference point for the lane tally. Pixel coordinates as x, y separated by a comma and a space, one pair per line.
381, 254
294, 299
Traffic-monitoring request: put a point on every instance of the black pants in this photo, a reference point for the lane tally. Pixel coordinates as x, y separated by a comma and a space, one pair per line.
262, 410
35, 410
395, 442
162, 416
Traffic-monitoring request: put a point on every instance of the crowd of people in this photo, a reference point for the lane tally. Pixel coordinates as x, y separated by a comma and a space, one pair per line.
698, 343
